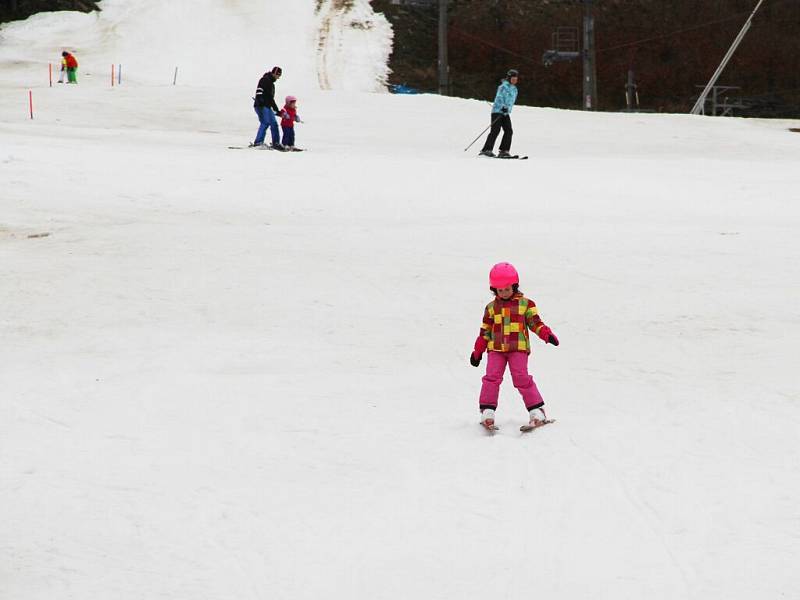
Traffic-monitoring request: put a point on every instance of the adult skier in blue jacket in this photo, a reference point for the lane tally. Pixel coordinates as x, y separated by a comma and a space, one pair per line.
501, 115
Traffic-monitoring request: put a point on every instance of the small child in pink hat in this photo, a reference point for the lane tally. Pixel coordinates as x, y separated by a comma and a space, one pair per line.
289, 117
504, 332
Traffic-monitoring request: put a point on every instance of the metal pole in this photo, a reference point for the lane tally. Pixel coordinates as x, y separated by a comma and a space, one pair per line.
699, 106
482, 132
630, 90
589, 70
443, 67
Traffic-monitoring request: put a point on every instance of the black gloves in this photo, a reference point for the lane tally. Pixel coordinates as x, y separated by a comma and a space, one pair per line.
474, 361
552, 340
504, 110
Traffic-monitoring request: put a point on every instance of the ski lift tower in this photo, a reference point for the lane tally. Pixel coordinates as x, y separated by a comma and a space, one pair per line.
699, 107
563, 52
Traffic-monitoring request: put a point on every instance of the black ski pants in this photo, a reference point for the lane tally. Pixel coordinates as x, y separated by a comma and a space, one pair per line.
500, 121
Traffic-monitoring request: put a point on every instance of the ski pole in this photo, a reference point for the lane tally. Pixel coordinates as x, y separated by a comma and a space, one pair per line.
482, 132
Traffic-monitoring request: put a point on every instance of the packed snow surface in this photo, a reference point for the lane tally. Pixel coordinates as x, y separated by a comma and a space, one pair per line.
244, 374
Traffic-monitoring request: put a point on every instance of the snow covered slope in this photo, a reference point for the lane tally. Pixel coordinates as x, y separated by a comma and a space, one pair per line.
333, 44
243, 374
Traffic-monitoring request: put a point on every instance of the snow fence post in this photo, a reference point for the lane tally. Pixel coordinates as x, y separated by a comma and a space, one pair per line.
119, 75
112, 75
50, 71
175, 78
30, 101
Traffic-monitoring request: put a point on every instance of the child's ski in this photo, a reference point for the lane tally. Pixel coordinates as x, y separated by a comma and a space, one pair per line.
490, 428
529, 427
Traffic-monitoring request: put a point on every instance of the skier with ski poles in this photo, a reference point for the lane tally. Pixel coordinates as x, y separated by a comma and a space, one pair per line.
501, 116
266, 109
504, 332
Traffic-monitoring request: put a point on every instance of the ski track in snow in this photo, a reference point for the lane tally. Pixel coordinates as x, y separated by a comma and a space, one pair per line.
651, 520
351, 38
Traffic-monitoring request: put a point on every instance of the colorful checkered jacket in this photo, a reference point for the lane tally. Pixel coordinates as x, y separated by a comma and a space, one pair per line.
506, 323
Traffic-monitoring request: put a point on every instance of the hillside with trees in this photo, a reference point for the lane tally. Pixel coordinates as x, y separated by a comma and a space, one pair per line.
672, 47
13, 10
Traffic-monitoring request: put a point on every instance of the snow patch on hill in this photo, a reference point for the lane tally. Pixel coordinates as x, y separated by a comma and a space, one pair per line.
353, 46
330, 45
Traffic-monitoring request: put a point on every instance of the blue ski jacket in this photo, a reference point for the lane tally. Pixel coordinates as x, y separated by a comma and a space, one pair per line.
505, 98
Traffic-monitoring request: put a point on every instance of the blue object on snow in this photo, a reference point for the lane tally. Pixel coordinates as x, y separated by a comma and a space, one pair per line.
399, 88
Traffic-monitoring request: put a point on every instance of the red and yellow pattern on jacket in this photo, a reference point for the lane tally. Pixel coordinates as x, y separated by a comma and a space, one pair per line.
506, 323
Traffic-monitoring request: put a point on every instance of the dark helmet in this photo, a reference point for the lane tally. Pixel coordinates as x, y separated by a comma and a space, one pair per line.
512, 73
65, 53
276, 71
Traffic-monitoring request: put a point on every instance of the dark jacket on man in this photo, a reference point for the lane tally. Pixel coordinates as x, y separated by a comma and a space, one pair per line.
265, 93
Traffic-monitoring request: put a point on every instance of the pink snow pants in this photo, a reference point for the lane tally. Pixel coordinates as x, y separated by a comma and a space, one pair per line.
518, 365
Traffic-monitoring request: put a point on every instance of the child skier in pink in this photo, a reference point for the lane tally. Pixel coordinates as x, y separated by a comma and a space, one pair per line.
504, 332
288, 119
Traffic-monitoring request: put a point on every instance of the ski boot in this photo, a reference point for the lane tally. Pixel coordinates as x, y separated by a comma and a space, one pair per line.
487, 420
488, 153
537, 419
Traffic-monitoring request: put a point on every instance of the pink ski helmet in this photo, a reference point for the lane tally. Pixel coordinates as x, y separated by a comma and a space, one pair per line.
290, 99
502, 275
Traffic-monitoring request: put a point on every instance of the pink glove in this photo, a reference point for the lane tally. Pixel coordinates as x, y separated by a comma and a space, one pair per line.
480, 346
546, 334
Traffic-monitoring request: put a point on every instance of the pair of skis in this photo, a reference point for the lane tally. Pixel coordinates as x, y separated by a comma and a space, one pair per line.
524, 428
504, 157
265, 147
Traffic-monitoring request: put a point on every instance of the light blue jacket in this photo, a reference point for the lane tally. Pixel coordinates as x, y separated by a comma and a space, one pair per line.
506, 96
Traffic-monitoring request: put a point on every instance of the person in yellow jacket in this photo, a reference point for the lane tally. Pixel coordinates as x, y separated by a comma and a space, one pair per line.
63, 70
